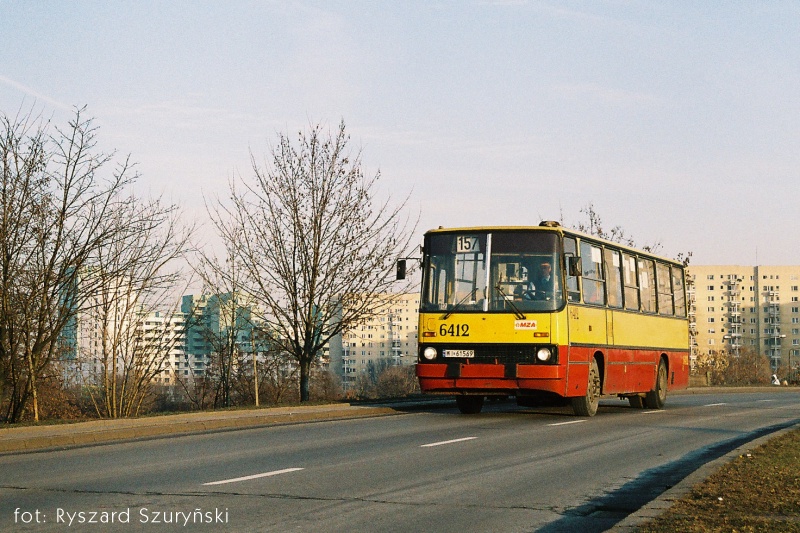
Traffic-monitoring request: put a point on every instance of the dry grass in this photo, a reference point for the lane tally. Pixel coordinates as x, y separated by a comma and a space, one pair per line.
758, 491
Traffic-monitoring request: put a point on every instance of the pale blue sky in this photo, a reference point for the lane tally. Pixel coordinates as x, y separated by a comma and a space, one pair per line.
680, 121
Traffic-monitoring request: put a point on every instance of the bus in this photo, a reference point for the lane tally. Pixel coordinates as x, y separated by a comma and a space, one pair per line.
546, 313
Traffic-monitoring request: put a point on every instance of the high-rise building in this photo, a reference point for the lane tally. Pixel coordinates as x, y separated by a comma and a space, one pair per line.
733, 308
161, 341
96, 339
214, 320
390, 338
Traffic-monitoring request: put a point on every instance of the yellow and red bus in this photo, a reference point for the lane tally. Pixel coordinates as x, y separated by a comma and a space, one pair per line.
609, 320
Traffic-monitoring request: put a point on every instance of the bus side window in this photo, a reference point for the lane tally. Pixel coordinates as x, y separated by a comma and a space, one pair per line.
592, 275
665, 305
647, 284
571, 250
678, 291
631, 282
613, 277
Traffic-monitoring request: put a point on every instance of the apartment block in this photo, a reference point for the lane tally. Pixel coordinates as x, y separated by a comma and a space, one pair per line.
161, 339
211, 321
388, 339
733, 308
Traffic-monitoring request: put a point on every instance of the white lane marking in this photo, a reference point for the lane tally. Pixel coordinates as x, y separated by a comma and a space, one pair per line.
254, 476
446, 442
566, 423
653, 411
714, 404
766, 400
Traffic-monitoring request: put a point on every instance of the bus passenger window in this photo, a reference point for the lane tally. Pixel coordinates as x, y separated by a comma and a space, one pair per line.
571, 250
678, 291
592, 274
631, 282
647, 283
613, 277
665, 306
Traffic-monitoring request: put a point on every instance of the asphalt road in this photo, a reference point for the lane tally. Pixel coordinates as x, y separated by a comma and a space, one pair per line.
507, 469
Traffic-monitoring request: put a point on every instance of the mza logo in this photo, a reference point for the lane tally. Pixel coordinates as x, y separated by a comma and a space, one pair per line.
524, 324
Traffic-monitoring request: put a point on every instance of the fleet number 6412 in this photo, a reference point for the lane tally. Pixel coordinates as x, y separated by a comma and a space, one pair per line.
454, 330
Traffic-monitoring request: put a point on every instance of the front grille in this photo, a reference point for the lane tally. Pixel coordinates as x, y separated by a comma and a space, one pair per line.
492, 353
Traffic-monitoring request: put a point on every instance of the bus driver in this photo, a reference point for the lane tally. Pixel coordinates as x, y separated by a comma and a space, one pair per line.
540, 287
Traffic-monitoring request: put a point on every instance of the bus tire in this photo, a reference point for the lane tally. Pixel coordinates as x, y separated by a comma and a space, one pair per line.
587, 405
469, 405
656, 398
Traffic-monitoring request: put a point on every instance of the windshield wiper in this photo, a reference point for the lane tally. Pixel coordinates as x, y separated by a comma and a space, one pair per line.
459, 304
517, 312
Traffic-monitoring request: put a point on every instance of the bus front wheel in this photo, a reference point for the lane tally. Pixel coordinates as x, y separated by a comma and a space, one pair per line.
469, 405
656, 398
587, 405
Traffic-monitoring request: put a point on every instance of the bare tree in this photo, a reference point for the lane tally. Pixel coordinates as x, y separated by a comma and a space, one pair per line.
225, 320
224, 325
314, 245
748, 368
593, 225
277, 377
367, 382
383, 379
135, 277
54, 205
397, 382
197, 390
58, 198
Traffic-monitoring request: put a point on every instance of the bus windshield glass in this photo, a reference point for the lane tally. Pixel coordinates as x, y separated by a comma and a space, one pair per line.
510, 271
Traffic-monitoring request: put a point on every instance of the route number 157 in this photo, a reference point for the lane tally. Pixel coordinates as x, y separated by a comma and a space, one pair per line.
466, 244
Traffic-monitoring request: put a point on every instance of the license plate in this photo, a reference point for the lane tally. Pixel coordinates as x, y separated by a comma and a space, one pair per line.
458, 353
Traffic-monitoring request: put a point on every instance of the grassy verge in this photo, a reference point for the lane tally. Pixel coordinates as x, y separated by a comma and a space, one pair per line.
758, 491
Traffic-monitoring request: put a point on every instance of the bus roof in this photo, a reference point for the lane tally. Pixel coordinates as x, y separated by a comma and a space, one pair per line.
549, 225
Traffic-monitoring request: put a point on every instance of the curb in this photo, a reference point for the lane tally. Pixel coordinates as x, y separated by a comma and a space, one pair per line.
40, 438
662, 503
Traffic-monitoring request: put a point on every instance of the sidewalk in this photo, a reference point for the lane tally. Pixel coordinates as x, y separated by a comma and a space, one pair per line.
32, 438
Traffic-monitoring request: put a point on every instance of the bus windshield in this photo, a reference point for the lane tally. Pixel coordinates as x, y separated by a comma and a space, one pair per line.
511, 271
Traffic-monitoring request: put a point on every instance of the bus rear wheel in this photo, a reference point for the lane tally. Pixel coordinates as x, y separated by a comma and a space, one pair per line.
469, 405
587, 405
656, 398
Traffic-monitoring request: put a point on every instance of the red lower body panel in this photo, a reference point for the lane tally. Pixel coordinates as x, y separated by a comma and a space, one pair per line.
623, 371
491, 378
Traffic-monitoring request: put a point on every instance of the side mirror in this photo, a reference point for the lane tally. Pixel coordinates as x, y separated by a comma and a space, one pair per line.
401, 269
574, 265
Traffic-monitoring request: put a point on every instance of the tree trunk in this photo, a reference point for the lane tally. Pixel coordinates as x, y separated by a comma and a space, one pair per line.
32, 386
305, 375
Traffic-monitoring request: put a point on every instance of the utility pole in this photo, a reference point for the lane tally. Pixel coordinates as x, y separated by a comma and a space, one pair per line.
255, 362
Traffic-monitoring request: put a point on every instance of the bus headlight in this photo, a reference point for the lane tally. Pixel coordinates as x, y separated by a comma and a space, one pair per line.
429, 353
544, 354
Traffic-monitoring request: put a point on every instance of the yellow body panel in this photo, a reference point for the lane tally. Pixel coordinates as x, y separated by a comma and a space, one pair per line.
577, 324
650, 331
587, 325
614, 327
493, 328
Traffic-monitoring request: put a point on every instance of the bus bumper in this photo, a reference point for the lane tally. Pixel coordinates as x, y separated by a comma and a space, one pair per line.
491, 378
